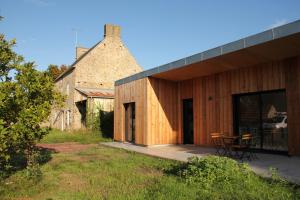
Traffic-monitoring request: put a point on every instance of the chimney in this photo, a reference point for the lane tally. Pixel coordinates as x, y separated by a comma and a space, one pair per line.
80, 51
113, 31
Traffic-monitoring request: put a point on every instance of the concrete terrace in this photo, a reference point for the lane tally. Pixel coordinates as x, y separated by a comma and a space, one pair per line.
288, 167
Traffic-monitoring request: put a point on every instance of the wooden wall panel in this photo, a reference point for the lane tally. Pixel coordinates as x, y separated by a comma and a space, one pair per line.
185, 91
293, 105
162, 112
159, 102
131, 92
156, 111
212, 95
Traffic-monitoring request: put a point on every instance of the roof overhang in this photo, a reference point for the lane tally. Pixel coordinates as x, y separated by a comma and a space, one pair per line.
254, 55
96, 92
271, 45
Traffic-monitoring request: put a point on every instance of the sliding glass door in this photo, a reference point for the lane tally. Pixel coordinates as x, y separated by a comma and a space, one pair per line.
264, 115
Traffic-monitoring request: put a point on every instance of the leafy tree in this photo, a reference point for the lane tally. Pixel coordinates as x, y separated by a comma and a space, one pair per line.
26, 98
54, 71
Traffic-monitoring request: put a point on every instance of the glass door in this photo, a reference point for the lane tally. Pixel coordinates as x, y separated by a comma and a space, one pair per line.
274, 120
249, 120
265, 116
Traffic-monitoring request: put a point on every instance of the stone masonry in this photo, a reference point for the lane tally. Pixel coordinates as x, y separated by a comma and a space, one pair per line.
94, 69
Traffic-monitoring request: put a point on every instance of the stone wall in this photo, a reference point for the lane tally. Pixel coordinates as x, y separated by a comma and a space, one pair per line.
108, 61
60, 118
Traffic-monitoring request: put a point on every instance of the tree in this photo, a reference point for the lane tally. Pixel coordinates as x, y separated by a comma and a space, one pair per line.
54, 71
26, 98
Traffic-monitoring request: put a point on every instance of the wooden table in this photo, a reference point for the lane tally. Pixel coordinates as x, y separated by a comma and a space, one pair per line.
228, 142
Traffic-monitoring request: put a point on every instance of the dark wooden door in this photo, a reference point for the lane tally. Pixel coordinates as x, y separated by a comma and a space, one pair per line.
188, 121
130, 122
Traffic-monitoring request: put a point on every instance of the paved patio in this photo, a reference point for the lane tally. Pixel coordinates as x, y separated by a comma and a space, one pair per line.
288, 167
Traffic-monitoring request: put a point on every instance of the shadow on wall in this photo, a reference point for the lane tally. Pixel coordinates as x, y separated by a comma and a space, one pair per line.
107, 123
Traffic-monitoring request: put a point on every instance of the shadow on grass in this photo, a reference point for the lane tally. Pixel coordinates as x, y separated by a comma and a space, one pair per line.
18, 161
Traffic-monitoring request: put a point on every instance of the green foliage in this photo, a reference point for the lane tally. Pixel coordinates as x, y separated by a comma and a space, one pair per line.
8, 58
33, 170
54, 71
224, 178
26, 98
92, 117
213, 169
99, 120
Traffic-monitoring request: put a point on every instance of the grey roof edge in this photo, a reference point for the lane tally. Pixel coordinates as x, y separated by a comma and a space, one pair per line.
256, 39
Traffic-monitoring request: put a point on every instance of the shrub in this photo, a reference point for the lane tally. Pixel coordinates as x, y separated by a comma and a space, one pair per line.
26, 98
225, 178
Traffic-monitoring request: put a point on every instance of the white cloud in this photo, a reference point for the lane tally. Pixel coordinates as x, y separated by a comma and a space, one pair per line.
277, 23
40, 3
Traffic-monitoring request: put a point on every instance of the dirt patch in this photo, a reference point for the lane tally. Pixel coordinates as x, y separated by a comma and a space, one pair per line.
66, 147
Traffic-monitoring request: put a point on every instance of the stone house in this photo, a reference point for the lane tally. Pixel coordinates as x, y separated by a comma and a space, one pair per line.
89, 81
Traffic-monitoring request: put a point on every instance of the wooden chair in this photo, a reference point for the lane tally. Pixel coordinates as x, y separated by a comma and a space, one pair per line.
245, 147
217, 141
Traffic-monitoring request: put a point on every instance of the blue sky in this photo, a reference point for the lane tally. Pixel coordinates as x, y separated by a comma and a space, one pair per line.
155, 31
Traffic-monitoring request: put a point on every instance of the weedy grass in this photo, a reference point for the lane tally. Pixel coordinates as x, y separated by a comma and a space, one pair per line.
102, 172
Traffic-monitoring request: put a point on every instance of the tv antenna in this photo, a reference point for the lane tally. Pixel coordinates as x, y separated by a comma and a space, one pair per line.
76, 36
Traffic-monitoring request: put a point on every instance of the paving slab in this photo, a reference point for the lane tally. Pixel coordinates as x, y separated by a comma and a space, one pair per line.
288, 167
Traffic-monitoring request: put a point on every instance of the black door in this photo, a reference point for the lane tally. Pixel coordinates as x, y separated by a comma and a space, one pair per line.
129, 122
188, 121
265, 116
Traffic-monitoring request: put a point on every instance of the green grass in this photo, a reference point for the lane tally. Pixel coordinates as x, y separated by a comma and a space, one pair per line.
106, 173
81, 136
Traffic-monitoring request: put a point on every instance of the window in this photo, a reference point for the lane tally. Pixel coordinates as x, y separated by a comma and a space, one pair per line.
264, 114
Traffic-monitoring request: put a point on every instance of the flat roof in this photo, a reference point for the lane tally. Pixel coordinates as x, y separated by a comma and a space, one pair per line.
273, 44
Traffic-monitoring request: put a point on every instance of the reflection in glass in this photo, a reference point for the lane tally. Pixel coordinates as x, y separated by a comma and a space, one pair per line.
265, 116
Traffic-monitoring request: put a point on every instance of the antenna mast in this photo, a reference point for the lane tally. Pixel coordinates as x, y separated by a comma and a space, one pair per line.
76, 36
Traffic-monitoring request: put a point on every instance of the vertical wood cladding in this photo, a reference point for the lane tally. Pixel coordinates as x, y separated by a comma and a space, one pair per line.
212, 96
127, 93
162, 115
159, 102
293, 105
156, 119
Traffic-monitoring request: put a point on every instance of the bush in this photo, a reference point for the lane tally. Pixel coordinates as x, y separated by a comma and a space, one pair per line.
26, 99
213, 169
225, 178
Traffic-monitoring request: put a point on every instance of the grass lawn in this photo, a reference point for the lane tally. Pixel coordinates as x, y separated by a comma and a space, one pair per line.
81, 136
100, 172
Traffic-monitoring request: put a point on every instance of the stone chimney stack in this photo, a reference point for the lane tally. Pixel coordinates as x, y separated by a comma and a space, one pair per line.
113, 31
80, 51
